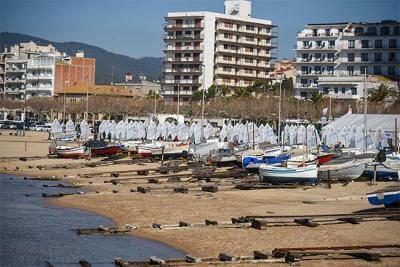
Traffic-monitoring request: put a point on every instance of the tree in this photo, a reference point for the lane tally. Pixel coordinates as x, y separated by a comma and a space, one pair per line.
241, 91
197, 96
224, 90
288, 85
211, 92
379, 94
317, 98
259, 86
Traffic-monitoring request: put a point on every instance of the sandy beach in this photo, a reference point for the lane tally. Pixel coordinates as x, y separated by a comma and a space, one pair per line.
163, 206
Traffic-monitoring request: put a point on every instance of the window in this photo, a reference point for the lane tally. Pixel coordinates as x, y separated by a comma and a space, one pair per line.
187, 55
336, 90
371, 30
351, 44
304, 81
228, 36
364, 56
317, 69
377, 70
304, 57
343, 90
249, 39
359, 31
327, 32
304, 69
364, 69
248, 71
318, 56
227, 69
392, 70
392, 43
384, 30
248, 60
354, 91
329, 69
331, 44
249, 28
350, 70
228, 25
392, 56
326, 90
314, 32
396, 30
378, 56
350, 57
248, 49
227, 58
318, 43
378, 43
364, 43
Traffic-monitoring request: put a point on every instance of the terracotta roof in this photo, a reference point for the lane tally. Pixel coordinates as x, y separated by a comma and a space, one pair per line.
104, 90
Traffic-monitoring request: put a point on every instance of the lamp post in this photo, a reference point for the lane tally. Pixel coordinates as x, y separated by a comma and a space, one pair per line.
179, 92
202, 106
365, 111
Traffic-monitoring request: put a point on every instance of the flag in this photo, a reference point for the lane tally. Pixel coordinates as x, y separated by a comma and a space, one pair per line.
325, 111
128, 77
350, 110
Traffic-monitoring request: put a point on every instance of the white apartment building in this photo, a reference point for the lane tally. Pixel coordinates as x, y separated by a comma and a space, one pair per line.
28, 70
206, 48
333, 57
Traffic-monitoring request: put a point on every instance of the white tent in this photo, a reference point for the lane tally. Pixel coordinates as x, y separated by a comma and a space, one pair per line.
381, 127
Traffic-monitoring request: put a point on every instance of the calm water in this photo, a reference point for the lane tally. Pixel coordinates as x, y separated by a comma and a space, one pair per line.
32, 233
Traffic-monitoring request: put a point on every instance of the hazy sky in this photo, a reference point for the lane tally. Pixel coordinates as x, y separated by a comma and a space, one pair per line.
134, 27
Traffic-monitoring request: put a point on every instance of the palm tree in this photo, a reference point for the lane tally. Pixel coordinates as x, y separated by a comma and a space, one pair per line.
380, 94
317, 98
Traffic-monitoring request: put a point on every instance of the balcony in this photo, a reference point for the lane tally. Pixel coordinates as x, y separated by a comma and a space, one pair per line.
307, 85
224, 72
184, 59
223, 26
226, 61
175, 92
39, 77
182, 71
40, 66
250, 64
222, 38
183, 48
249, 53
183, 82
184, 37
319, 35
15, 80
184, 26
223, 50
251, 42
16, 70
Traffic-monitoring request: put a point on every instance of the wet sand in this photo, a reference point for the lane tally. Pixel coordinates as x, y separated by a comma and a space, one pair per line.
166, 207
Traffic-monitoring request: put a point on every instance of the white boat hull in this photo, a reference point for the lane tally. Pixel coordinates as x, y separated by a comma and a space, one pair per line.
289, 175
341, 172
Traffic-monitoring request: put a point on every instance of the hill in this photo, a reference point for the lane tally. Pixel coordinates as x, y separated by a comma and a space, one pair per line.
148, 66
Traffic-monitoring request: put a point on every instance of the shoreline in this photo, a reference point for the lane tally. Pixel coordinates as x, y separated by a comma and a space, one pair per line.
56, 202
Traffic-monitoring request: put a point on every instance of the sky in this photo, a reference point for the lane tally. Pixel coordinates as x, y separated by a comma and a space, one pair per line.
135, 27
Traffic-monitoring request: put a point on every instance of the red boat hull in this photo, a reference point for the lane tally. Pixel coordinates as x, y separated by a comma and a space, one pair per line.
322, 159
105, 151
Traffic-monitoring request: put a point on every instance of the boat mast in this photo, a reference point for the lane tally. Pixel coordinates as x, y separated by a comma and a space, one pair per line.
279, 111
365, 111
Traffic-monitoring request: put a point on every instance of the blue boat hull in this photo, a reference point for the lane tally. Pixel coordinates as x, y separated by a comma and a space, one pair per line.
388, 199
381, 174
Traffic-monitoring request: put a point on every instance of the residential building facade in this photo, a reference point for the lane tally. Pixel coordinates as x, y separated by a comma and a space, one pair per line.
28, 70
333, 57
206, 48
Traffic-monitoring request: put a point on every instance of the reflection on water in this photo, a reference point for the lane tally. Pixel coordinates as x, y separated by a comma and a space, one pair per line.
32, 233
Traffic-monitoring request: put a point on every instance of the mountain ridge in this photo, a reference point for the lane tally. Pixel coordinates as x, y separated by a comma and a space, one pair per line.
147, 66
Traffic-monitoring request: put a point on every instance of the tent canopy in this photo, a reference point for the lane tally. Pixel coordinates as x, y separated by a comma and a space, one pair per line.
375, 121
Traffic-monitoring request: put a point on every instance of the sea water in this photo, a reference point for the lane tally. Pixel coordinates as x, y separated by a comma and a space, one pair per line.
33, 233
